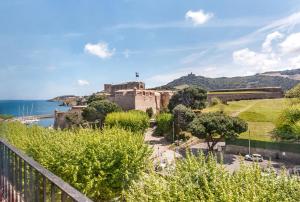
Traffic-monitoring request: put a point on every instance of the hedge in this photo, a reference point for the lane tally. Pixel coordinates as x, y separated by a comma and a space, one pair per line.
135, 121
164, 123
101, 164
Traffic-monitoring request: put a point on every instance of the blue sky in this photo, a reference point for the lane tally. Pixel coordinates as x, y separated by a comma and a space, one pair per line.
57, 47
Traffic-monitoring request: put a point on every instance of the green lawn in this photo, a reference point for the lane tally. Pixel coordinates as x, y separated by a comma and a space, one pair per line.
261, 115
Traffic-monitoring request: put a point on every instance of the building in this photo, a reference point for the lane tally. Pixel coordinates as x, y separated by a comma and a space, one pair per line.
133, 95
129, 96
111, 89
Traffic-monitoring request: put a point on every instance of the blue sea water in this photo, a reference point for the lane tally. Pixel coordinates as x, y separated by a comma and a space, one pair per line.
31, 107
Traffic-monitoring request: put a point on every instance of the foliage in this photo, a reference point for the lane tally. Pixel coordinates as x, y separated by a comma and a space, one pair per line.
294, 92
255, 81
150, 112
97, 110
182, 117
6, 116
202, 179
217, 126
192, 97
96, 97
288, 124
185, 135
215, 101
134, 120
101, 164
164, 124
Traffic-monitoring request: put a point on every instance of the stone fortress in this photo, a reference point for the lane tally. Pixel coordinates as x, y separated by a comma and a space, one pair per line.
129, 96
134, 96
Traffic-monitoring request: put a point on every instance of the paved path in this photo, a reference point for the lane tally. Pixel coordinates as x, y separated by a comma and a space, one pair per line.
160, 147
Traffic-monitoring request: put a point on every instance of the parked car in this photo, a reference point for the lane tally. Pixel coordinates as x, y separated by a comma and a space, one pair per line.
295, 170
254, 157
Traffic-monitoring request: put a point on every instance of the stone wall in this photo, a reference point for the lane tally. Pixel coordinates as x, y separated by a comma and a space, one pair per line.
266, 153
109, 88
243, 94
141, 99
125, 99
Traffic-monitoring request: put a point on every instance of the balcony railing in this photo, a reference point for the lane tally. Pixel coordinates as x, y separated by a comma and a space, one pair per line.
23, 179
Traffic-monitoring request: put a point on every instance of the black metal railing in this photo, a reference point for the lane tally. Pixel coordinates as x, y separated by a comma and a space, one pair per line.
23, 179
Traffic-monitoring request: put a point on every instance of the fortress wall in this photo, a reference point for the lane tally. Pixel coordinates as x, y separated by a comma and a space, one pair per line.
125, 100
245, 96
148, 100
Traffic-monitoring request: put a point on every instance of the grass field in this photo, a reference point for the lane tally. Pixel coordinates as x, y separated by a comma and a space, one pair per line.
261, 115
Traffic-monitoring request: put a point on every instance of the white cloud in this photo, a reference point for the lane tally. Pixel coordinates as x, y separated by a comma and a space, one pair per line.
83, 82
258, 61
291, 44
100, 49
267, 45
285, 24
198, 17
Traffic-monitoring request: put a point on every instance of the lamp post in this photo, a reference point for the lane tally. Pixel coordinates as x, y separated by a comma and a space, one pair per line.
249, 152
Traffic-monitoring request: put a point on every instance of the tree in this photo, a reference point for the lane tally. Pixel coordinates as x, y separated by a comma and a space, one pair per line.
214, 127
294, 92
183, 116
97, 110
96, 97
288, 124
192, 97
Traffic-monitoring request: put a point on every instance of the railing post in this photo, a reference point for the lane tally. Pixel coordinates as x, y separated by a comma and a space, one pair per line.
23, 179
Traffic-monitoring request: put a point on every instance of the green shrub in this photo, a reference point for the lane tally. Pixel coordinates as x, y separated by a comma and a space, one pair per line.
288, 124
164, 123
150, 112
97, 110
6, 116
136, 121
101, 164
202, 179
185, 135
215, 101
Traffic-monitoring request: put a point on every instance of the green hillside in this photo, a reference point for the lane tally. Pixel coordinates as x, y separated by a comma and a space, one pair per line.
261, 115
254, 81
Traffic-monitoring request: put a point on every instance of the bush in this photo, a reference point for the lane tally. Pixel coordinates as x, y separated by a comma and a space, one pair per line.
288, 124
101, 164
202, 179
164, 124
215, 101
185, 135
135, 121
97, 110
150, 112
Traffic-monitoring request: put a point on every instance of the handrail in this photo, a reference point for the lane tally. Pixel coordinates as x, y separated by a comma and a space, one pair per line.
9, 156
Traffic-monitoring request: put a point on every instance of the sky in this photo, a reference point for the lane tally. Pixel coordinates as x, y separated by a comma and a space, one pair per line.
60, 47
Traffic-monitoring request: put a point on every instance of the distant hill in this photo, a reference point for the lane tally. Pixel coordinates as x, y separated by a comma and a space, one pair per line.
292, 74
284, 79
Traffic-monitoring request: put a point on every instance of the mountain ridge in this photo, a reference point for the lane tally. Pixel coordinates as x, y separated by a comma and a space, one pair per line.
285, 79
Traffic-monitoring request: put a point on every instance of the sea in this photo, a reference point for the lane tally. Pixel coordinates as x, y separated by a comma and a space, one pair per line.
19, 108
